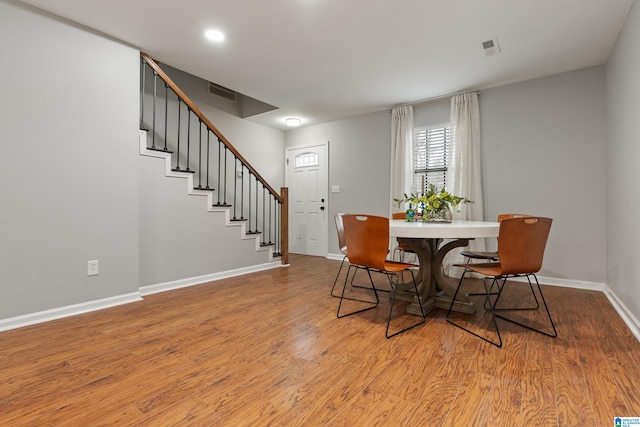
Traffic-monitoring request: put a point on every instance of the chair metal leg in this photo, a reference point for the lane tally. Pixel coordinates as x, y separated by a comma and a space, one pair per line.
336, 279
344, 287
544, 302
504, 282
493, 314
393, 299
486, 303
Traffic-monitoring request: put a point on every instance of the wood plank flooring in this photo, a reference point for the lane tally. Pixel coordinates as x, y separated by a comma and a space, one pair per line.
266, 349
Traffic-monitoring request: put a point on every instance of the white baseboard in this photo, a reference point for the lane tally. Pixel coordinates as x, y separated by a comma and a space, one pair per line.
337, 257
183, 283
68, 311
631, 321
566, 283
86, 307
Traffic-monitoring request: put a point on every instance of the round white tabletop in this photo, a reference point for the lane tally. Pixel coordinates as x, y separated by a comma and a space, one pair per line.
435, 230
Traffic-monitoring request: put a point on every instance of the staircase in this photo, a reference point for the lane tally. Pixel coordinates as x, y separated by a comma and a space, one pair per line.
173, 128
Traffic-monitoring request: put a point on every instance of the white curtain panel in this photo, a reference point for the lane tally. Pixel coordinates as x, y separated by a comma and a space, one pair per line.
401, 154
401, 162
465, 174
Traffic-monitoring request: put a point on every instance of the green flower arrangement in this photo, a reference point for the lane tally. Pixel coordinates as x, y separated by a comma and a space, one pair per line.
435, 205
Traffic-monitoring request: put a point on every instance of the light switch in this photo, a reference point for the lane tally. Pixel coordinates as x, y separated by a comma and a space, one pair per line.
335, 188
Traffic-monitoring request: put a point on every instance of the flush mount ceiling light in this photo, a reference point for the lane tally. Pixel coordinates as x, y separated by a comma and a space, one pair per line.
214, 35
293, 121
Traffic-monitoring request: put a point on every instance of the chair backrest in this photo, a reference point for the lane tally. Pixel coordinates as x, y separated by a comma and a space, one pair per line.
511, 215
521, 244
367, 238
340, 229
402, 215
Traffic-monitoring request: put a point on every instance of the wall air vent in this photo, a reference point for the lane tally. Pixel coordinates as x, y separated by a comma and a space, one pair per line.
491, 47
223, 92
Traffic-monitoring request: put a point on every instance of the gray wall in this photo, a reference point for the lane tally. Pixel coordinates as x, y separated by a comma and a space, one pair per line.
543, 153
359, 150
68, 181
544, 150
74, 187
179, 239
623, 171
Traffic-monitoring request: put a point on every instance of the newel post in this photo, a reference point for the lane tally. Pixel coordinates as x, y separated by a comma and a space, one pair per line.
284, 225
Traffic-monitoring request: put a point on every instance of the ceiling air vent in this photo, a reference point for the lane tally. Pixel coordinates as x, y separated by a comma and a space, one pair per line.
491, 47
223, 92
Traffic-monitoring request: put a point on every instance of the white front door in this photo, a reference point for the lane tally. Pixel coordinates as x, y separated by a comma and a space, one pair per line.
307, 179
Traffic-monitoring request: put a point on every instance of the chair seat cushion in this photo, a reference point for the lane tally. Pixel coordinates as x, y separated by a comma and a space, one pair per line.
394, 267
479, 255
486, 268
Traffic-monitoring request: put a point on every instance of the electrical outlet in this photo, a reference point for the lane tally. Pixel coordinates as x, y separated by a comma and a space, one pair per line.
92, 268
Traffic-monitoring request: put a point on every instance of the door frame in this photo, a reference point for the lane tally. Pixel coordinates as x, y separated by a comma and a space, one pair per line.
325, 223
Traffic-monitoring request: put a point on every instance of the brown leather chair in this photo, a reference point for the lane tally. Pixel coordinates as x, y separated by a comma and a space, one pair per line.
367, 240
492, 255
521, 245
343, 248
489, 256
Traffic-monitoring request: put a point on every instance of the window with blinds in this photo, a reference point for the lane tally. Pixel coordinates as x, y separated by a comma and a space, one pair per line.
430, 158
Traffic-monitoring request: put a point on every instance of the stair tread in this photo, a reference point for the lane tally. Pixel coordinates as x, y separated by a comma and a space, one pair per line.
183, 170
162, 150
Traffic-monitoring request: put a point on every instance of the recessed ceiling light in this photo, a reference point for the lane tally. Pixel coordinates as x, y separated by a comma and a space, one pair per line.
214, 35
293, 121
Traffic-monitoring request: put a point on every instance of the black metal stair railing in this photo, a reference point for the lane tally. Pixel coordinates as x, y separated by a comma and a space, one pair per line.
176, 126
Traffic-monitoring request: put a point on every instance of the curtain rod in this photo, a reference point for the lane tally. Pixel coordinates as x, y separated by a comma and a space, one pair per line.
434, 100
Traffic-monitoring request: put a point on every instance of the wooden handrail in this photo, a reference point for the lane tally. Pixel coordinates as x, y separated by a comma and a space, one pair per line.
154, 65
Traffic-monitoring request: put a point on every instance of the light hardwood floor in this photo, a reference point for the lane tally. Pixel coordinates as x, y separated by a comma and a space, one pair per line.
267, 349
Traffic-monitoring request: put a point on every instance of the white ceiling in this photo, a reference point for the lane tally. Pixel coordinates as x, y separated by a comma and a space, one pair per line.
322, 60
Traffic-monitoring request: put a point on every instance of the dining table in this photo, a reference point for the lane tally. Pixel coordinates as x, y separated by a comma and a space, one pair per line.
432, 241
